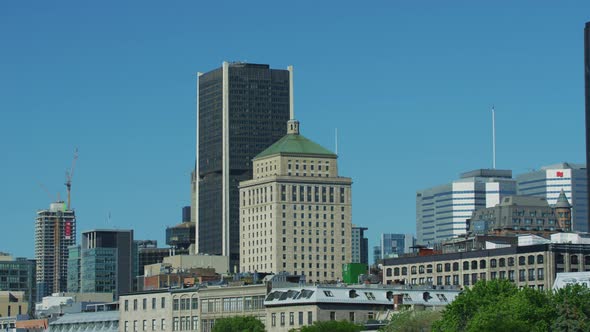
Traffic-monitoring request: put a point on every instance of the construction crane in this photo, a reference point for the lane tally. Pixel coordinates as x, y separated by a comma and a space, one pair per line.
69, 175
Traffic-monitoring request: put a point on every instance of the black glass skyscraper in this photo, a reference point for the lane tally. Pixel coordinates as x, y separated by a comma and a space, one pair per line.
242, 109
587, 89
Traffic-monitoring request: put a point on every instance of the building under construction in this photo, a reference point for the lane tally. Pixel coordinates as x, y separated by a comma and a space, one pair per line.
55, 231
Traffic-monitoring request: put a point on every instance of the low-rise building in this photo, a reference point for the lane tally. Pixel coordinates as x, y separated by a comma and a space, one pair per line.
189, 308
534, 265
295, 307
104, 321
13, 303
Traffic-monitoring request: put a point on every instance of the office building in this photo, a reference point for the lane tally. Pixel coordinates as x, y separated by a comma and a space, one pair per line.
19, 275
13, 303
531, 262
359, 245
442, 211
296, 211
242, 109
376, 254
549, 181
182, 236
587, 93
55, 232
523, 215
393, 245
104, 263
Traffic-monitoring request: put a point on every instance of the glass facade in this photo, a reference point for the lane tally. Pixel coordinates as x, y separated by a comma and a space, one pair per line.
258, 110
19, 275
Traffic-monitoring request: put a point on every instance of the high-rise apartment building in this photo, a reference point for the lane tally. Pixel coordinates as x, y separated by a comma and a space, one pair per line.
392, 245
296, 211
587, 89
18, 275
104, 263
550, 180
441, 212
55, 232
359, 245
242, 110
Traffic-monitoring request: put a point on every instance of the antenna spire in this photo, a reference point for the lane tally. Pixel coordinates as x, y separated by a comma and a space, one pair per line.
336, 140
493, 137
292, 125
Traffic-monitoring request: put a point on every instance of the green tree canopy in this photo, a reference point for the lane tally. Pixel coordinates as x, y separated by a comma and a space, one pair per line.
238, 324
412, 321
332, 326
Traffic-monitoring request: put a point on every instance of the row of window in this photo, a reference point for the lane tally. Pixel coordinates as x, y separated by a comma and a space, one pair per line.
531, 274
144, 326
473, 265
300, 316
144, 304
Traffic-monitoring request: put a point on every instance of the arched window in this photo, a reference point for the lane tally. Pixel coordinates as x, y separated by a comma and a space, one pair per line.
539, 259
482, 264
388, 272
455, 266
474, 265
493, 263
429, 268
404, 271
574, 259
413, 269
521, 260
531, 259
421, 269
396, 271
447, 267
510, 261
465, 265
502, 262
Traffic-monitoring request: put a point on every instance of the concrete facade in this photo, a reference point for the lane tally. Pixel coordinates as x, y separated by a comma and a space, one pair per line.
442, 211
550, 180
533, 266
189, 309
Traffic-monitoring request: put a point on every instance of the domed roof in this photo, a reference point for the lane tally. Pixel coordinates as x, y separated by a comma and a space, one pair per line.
294, 143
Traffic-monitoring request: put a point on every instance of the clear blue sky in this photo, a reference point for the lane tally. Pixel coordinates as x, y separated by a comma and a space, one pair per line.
408, 84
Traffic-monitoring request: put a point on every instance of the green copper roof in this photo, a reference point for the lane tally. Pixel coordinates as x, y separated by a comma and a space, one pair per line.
562, 201
295, 144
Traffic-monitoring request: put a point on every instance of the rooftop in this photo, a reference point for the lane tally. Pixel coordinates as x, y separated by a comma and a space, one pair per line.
294, 143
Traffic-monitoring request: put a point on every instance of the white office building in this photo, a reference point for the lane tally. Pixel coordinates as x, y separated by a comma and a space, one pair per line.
442, 211
550, 180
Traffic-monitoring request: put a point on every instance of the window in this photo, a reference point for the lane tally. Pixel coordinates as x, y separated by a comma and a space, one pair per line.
531, 274
135, 324
153, 303
273, 319
456, 267
369, 295
163, 302
521, 275
404, 271
328, 293
309, 317
447, 267
126, 306
126, 326
439, 267
144, 325
521, 260
421, 269
351, 316
429, 268
291, 318
482, 264
134, 304
574, 259
144, 304
493, 262
282, 319
153, 324
174, 304
300, 318
510, 261
465, 265
413, 269
163, 324
396, 271
474, 265
388, 272
502, 262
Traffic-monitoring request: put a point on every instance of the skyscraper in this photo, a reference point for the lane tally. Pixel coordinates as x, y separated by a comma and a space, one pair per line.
360, 245
296, 211
442, 212
587, 80
104, 263
242, 109
550, 180
55, 231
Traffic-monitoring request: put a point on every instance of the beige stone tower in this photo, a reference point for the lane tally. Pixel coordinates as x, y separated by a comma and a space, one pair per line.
295, 214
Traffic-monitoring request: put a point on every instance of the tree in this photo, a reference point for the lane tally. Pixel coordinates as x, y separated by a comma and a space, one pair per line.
238, 324
572, 305
332, 326
412, 321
